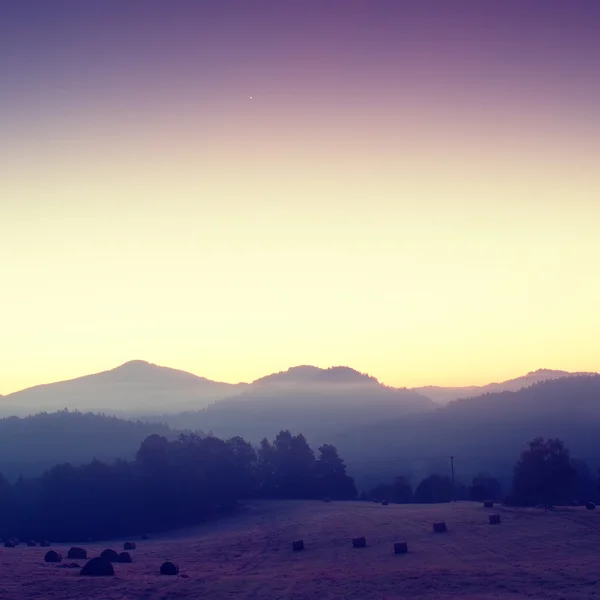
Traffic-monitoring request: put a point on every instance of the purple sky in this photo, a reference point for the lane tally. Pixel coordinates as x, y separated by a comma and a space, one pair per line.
109, 52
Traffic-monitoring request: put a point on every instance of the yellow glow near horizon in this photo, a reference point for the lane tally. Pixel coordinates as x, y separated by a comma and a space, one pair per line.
416, 264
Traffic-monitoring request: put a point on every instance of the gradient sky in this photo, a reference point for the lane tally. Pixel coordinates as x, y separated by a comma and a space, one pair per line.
235, 187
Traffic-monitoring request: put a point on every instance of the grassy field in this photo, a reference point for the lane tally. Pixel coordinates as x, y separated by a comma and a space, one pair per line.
531, 554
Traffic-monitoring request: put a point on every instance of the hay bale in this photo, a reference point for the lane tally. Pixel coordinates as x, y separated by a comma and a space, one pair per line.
77, 553
326, 499
298, 545
384, 503
98, 567
590, 506
17, 541
53, 557
169, 568
110, 554
129, 546
439, 527
575, 503
31, 543
9, 544
359, 542
400, 548
145, 536
488, 504
45, 544
125, 557
494, 519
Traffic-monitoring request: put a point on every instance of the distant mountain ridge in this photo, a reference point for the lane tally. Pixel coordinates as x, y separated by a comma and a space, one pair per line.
444, 395
141, 388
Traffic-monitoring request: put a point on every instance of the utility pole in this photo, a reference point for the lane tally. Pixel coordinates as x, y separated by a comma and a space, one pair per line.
452, 469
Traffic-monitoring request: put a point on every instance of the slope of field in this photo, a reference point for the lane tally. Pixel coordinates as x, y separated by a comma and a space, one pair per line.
531, 554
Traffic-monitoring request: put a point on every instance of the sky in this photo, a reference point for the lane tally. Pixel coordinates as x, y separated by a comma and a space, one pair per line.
236, 187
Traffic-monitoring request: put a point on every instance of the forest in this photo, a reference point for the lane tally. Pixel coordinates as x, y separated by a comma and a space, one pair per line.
169, 484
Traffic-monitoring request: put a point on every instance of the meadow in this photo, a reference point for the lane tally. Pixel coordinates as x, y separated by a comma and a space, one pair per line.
532, 553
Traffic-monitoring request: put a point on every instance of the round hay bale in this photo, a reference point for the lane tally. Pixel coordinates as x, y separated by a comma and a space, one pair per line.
169, 568
400, 548
326, 499
590, 506
45, 544
145, 536
31, 543
98, 567
384, 503
17, 541
575, 503
494, 519
439, 527
77, 553
9, 544
129, 546
110, 554
298, 545
359, 542
125, 557
53, 557
488, 504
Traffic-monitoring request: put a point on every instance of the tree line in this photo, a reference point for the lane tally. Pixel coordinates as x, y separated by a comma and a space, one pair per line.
180, 482
170, 483
545, 474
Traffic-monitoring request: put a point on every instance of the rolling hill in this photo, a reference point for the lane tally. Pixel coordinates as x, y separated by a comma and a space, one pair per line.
305, 399
136, 386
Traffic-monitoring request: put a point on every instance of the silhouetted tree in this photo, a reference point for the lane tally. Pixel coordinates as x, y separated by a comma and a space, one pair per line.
294, 467
485, 487
544, 474
585, 487
401, 491
331, 477
435, 488
266, 468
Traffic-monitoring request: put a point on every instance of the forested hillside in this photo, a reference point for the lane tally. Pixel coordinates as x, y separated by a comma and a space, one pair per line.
482, 433
30, 445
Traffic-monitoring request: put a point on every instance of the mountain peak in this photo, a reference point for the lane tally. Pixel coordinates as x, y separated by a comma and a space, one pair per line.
136, 364
308, 374
541, 372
